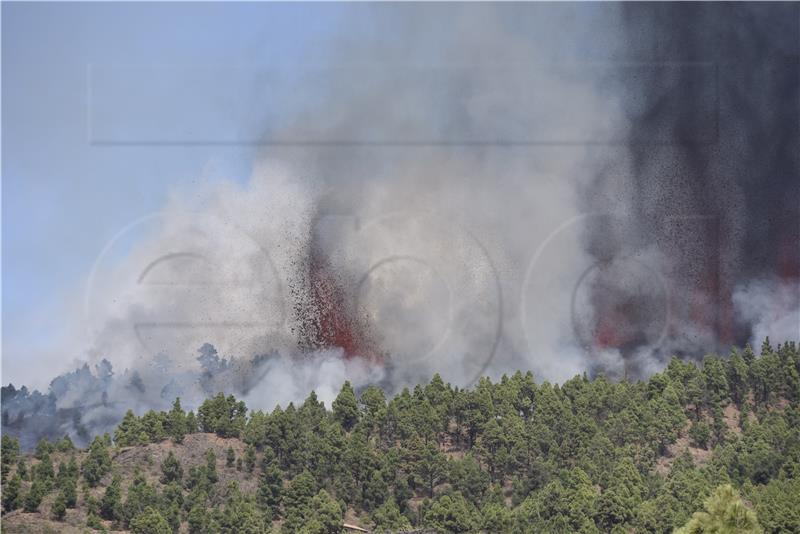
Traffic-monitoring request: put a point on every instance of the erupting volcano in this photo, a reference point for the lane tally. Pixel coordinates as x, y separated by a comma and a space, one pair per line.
325, 313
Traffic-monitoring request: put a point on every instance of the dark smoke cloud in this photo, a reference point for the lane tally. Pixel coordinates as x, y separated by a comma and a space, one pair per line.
713, 96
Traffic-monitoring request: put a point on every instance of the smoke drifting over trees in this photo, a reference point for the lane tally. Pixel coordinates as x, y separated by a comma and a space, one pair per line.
469, 190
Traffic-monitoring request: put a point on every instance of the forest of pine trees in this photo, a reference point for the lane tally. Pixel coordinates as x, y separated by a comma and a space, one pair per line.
710, 447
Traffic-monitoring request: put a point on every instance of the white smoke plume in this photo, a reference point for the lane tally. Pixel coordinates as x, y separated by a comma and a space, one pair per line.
461, 194
772, 306
427, 217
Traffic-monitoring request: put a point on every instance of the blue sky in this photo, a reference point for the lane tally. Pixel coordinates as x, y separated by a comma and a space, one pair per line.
64, 197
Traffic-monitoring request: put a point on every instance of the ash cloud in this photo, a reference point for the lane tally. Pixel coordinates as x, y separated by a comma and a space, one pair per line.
714, 181
469, 190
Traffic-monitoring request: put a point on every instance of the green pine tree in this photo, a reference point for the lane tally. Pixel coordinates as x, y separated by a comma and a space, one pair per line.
724, 513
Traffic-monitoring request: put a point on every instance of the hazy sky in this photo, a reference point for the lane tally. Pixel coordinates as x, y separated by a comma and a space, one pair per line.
74, 175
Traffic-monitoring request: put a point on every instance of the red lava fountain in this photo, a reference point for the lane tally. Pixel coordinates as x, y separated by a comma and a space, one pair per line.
326, 316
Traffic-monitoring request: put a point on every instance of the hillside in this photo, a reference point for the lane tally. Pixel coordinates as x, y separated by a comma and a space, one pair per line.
513, 456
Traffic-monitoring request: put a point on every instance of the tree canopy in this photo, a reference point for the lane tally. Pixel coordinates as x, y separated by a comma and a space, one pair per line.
700, 447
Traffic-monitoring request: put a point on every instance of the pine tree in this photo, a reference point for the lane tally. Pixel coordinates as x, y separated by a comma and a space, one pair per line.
70, 490
8, 454
150, 521
211, 466
140, 497
451, 513
297, 501
34, 496
327, 513
59, 508
467, 477
172, 514
376, 490
345, 407
766, 347
43, 447
270, 490
176, 422
250, 458
700, 433
428, 464
776, 504
97, 463
389, 519
724, 514
44, 471
11, 493
197, 519
373, 401
240, 515
93, 522
496, 517
738, 377
127, 432
191, 423
112, 499
65, 444
22, 468
222, 415
171, 469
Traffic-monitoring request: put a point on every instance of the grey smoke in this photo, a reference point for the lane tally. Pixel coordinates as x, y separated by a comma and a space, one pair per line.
555, 187
714, 182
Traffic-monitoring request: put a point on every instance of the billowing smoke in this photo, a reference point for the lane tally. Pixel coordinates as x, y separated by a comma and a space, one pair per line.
474, 190
712, 201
